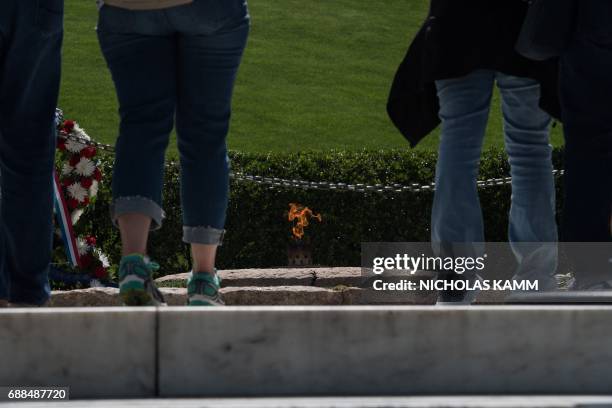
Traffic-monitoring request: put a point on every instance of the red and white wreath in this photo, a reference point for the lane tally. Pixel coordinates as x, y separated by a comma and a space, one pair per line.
93, 260
79, 174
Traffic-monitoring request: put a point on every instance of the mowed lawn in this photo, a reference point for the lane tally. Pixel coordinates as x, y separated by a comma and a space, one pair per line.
315, 76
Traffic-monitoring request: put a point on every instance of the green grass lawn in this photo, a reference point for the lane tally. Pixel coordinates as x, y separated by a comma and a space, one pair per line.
315, 76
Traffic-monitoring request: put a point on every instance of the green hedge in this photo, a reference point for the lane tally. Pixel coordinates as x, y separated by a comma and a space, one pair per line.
258, 230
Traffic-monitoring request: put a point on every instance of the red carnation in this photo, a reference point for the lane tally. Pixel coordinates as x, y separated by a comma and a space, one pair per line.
72, 203
91, 240
97, 175
67, 182
86, 183
88, 152
100, 272
69, 125
74, 160
61, 144
85, 201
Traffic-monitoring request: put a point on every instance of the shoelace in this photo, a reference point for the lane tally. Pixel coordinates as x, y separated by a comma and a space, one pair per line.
154, 267
201, 283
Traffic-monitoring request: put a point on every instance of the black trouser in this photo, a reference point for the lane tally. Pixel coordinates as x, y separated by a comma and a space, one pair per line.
30, 45
586, 98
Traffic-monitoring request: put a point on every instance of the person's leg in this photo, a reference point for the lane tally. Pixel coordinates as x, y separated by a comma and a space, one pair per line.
532, 224
140, 52
456, 224
464, 111
208, 65
586, 87
30, 63
144, 73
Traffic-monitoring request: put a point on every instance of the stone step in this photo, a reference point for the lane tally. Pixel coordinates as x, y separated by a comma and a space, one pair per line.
263, 284
320, 277
242, 296
297, 351
344, 402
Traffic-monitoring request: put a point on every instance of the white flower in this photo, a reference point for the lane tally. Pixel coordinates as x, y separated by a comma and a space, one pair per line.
74, 147
77, 192
67, 169
82, 246
93, 190
85, 167
103, 258
79, 132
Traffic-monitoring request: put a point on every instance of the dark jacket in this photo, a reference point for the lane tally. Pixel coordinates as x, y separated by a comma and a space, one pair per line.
458, 37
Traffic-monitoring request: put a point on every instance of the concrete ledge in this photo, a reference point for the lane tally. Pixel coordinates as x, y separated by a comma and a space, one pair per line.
344, 402
385, 351
99, 353
564, 297
285, 351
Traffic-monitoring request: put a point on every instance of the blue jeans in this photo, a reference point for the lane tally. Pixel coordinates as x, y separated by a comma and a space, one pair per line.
457, 215
30, 63
586, 88
180, 64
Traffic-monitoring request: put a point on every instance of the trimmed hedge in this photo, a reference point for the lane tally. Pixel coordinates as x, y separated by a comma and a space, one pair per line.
258, 230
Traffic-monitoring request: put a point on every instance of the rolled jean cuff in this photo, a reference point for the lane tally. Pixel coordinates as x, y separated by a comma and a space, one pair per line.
203, 235
138, 205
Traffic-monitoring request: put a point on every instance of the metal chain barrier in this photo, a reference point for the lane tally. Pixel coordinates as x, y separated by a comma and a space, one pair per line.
274, 182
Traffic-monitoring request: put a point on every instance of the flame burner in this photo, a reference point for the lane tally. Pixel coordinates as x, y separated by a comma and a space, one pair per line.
299, 251
299, 254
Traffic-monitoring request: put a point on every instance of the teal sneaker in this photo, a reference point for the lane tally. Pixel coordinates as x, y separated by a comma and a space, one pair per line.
136, 286
203, 290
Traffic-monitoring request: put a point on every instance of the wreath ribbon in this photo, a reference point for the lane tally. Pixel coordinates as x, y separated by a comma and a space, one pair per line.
65, 223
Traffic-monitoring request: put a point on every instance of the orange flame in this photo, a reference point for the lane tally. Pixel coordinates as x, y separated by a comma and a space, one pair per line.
301, 214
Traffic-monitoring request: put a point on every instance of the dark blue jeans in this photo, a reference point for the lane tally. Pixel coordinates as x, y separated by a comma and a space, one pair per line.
586, 85
586, 92
30, 55
178, 64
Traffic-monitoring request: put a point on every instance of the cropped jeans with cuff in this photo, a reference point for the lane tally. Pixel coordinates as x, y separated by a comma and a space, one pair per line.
457, 215
31, 34
172, 65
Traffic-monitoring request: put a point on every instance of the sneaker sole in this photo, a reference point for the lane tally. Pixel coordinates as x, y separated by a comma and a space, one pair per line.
204, 301
133, 293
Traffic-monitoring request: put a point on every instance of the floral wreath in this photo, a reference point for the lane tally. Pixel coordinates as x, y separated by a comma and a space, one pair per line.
79, 176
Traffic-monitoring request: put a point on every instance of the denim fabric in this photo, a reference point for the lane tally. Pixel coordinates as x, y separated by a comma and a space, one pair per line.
457, 215
586, 88
175, 65
30, 53
586, 91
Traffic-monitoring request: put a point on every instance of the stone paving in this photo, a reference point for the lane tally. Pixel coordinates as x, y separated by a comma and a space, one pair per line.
273, 287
